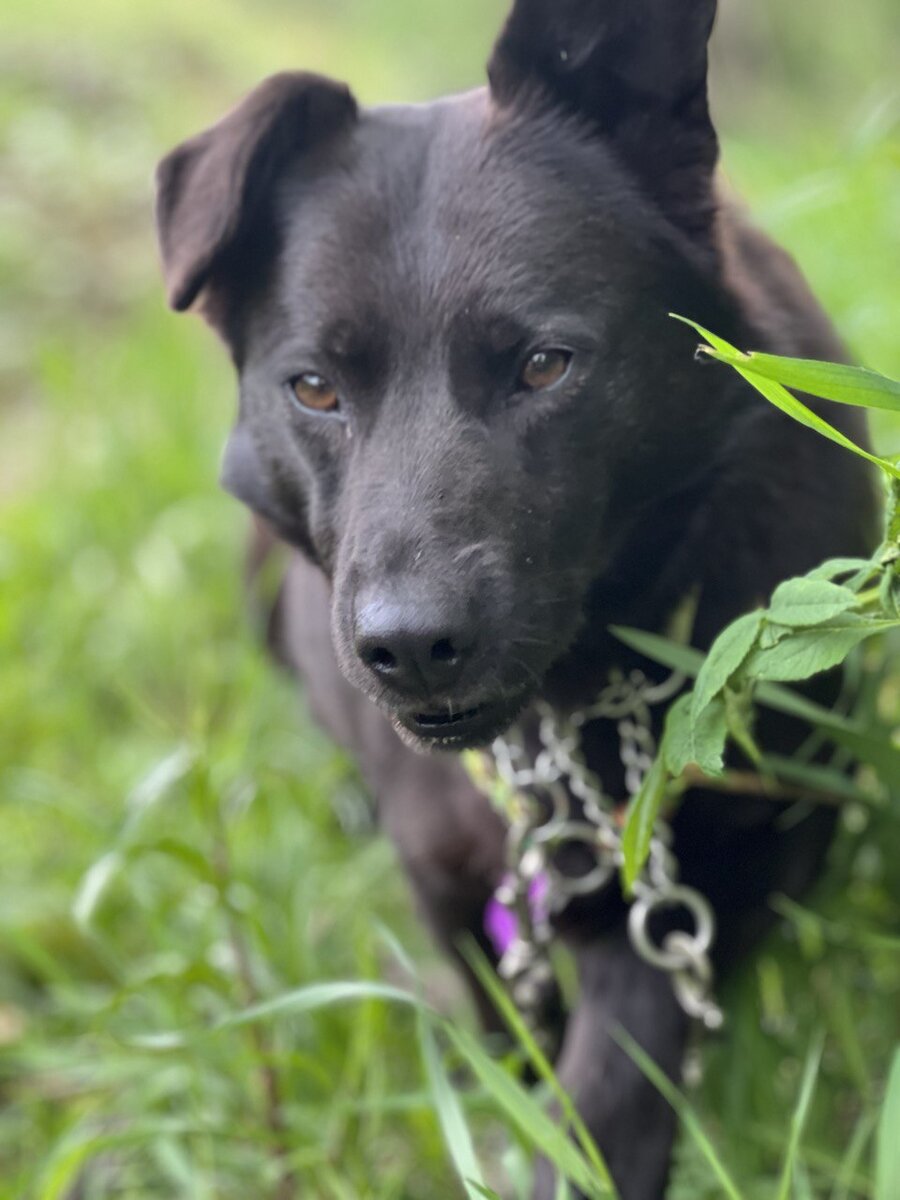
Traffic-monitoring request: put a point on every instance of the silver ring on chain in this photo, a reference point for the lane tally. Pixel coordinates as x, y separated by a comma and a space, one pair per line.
665, 690
580, 885
558, 772
670, 957
692, 984
549, 830
617, 701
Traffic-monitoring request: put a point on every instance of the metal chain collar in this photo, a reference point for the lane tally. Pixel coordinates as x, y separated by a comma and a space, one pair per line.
536, 797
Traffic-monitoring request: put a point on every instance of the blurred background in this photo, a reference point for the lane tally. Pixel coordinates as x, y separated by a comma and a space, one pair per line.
174, 841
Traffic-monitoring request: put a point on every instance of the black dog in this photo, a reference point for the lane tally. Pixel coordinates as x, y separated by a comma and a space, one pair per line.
464, 404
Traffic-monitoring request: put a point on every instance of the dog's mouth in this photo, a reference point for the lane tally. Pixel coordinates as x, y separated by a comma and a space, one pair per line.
444, 721
466, 729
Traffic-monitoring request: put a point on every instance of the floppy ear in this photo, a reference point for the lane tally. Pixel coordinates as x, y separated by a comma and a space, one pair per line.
636, 69
211, 187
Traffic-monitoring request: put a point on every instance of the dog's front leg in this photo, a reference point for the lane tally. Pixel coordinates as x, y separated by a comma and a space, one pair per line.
630, 1121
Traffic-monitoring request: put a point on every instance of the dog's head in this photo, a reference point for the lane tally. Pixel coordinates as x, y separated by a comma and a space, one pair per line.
459, 384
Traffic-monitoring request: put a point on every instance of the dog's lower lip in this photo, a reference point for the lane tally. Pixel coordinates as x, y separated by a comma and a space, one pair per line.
446, 720
470, 727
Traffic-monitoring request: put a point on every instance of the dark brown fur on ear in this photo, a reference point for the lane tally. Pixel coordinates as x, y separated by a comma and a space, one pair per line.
211, 186
636, 70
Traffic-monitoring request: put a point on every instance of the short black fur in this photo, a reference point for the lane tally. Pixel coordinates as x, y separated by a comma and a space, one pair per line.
462, 542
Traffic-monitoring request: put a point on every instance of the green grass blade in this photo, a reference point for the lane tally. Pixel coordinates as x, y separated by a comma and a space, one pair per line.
539, 1061
686, 1115
782, 399
671, 654
546, 1135
307, 999
843, 384
846, 1181
641, 820
799, 1118
451, 1117
802, 1186
887, 1152
316, 996
93, 887
877, 751
76, 1150
837, 933
825, 780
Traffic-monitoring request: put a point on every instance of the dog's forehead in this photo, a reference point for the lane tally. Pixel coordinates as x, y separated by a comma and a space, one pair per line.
428, 205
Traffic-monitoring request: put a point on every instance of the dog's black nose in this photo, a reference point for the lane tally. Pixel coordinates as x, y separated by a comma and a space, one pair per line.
412, 646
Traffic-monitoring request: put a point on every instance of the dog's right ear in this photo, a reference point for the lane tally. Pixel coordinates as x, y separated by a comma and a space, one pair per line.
634, 72
209, 189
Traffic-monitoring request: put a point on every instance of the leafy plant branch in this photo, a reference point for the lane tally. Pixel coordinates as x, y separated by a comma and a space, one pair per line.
811, 625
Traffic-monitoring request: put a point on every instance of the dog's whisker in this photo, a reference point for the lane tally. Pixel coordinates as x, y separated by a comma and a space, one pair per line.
529, 672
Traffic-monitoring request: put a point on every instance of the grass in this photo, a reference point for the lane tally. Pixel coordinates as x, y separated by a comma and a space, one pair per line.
177, 843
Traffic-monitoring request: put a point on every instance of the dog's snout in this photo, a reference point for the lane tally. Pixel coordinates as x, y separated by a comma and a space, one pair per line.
417, 649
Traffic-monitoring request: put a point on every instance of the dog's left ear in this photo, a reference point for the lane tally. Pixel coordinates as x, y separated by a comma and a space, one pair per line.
210, 189
636, 70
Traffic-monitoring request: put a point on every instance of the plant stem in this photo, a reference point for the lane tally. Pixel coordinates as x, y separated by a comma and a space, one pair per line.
749, 783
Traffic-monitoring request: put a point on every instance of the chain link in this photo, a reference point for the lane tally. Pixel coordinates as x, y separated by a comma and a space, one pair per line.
537, 799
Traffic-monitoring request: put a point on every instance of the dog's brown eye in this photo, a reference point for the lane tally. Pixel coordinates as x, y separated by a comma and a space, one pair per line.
314, 391
544, 368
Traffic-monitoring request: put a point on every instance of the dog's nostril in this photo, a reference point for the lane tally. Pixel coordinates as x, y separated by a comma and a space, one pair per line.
381, 658
444, 652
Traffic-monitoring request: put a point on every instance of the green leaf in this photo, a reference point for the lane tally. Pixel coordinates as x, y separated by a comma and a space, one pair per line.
810, 651
782, 399
699, 740
856, 386
833, 568
771, 634
887, 1153
807, 602
872, 748
642, 813
726, 656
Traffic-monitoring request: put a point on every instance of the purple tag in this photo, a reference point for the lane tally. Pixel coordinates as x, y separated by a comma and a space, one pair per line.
501, 923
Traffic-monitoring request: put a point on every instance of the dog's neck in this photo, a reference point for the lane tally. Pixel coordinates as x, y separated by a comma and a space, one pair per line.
657, 566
